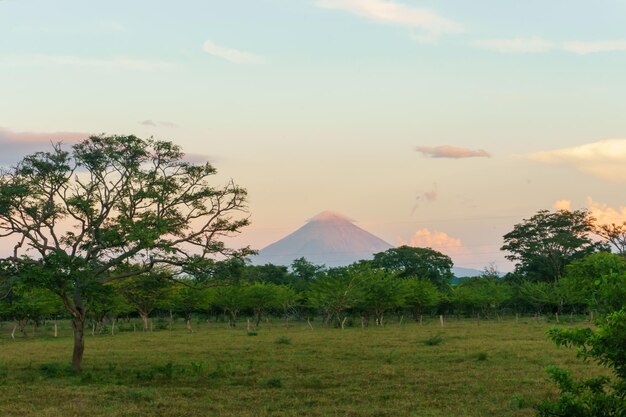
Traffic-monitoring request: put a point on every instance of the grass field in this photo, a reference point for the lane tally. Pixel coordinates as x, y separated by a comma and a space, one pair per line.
495, 369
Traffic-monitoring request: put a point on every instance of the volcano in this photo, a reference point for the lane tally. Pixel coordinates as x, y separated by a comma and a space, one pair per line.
327, 239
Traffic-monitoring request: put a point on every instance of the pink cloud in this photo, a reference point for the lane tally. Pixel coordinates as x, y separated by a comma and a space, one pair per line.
16, 145
453, 152
605, 214
7, 135
565, 205
430, 195
439, 241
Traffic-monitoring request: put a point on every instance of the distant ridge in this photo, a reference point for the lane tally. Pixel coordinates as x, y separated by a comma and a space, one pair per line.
327, 238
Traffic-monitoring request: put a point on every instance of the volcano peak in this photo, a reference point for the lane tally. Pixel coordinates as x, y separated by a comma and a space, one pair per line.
329, 216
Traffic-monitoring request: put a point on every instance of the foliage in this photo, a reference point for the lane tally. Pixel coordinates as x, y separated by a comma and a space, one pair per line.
379, 291
304, 272
592, 397
426, 263
542, 295
110, 201
582, 281
486, 294
231, 299
614, 234
544, 244
335, 291
144, 292
261, 297
604, 396
268, 273
420, 294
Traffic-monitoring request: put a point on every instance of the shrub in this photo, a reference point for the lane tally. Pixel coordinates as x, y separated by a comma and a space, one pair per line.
434, 340
283, 340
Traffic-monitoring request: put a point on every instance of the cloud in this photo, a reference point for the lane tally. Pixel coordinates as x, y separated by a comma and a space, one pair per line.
427, 197
453, 152
116, 63
196, 158
430, 195
537, 45
515, 45
439, 241
584, 48
565, 205
16, 145
152, 123
232, 55
389, 12
605, 214
605, 159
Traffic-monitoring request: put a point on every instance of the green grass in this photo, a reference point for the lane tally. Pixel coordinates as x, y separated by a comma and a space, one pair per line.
495, 369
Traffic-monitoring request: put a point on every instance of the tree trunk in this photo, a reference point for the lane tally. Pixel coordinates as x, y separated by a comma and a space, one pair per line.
78, 325
144, 317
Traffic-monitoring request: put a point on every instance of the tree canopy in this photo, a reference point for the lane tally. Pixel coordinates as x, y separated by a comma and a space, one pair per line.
408, 261
78, 216
544, 244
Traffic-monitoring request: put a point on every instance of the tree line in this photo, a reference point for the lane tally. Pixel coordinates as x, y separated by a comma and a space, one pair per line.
403, 282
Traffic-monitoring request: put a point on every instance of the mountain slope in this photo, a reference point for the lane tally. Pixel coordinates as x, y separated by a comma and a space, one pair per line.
328, 238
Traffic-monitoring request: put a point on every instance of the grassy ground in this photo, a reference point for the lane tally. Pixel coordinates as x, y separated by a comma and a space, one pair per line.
495, 369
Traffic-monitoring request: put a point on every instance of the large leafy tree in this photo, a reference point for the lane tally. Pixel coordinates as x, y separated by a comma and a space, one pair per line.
78, 216
544, 244
411, 262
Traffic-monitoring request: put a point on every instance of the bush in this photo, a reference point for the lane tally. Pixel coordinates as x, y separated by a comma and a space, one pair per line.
283, 340
593, 397
434, 340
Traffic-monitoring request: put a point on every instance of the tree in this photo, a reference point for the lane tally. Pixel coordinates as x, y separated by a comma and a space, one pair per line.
261, 297
544, 244
230, 299
407, 261
614, 234
419, 295
269, 273
379, 291
304, 272
110, 201
541, 295
335, 291
287, 299
187, 297
144, 292
580, 283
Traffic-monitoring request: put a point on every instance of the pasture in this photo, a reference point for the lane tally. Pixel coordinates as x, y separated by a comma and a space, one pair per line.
460, 369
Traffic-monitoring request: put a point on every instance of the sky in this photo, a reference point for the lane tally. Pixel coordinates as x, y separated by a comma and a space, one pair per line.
432, 123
